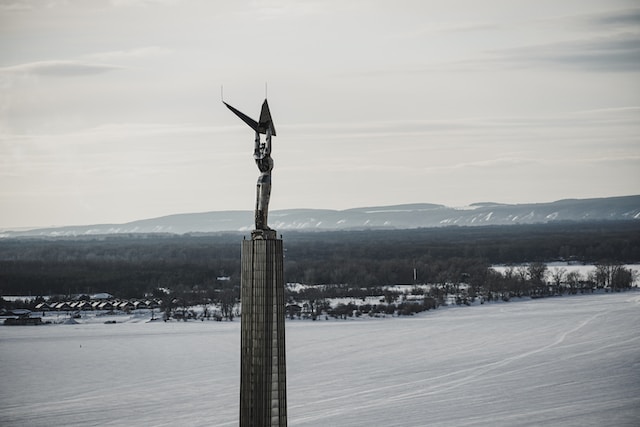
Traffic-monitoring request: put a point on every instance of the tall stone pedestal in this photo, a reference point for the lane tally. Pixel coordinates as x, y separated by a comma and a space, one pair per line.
263, 385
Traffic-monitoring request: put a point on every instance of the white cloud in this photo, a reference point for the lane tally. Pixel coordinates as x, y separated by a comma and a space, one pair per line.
288, 9
143, 3
60, 68
136, 53
614, 20
16, 6
432, 28
620, 52
505, 162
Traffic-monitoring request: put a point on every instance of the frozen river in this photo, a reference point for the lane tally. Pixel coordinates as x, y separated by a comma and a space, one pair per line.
565, 361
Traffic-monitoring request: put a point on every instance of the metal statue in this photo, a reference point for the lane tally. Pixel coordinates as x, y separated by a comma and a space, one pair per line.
262, 156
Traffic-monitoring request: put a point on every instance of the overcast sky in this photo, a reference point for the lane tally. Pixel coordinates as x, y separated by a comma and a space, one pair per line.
110, 110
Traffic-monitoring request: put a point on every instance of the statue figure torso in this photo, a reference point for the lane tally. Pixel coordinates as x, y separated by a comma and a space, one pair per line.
265, 164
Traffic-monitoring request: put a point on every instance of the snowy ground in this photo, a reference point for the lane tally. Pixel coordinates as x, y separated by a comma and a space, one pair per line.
568, 361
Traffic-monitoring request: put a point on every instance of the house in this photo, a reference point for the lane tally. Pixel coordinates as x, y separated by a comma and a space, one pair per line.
23, 318
105, 305
125, 306
140, 304
43, 306
62, 306
84, 305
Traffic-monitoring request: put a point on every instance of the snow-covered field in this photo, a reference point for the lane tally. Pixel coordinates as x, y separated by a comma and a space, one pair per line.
568, 361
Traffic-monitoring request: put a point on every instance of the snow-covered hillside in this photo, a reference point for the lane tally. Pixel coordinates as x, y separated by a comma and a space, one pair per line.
380, 217
558, 361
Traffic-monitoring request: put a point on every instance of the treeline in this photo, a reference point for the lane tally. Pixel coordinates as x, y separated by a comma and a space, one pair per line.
125, 266
134, 265
534, 280
437, 255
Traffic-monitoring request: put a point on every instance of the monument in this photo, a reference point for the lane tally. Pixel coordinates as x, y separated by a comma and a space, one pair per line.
263, 385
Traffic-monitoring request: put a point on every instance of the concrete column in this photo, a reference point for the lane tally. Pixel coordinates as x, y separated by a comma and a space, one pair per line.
263, 385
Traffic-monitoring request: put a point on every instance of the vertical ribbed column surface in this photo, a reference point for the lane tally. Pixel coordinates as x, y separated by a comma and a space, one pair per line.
263, 399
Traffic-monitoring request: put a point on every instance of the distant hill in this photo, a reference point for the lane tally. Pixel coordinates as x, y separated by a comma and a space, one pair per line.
377, 217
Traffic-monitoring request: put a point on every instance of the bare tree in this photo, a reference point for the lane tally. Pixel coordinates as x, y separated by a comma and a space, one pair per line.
537, 272
558, 275
228, 300
573, 279
522, 273
537, 275
613, 275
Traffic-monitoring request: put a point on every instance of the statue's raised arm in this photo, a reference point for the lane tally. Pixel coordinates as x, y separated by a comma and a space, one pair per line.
262, 156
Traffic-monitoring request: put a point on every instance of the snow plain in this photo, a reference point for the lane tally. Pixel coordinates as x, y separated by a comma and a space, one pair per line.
564, 361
